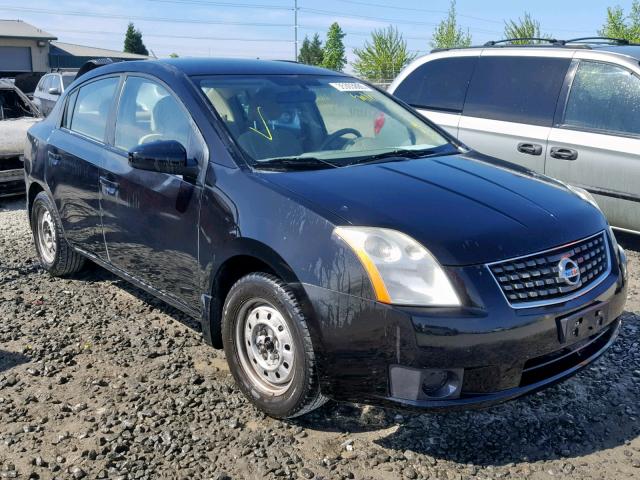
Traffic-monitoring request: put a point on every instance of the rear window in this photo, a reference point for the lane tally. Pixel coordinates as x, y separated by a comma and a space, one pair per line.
439, 84
516, 89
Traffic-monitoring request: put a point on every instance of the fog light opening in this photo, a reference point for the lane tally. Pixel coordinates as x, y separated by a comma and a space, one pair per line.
440, 384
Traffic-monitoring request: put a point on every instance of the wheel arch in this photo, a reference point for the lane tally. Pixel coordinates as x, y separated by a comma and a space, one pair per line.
34, 189
247, 256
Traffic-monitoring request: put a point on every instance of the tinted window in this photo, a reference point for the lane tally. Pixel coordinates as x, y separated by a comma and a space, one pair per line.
604, 97
148, 113
439, 84
92, 105
516, 89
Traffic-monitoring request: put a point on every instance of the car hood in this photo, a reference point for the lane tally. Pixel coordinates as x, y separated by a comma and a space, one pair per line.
13, 135
466, 209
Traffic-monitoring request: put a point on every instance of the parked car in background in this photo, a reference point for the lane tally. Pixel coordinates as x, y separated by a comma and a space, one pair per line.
334, 242
568, 109
49, 89
17, 115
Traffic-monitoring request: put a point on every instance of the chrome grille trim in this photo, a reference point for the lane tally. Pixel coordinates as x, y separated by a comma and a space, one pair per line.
584, 288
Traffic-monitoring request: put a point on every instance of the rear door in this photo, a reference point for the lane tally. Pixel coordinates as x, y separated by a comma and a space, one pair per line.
437, 88
596, 142
150, 219
510, 105
75, 154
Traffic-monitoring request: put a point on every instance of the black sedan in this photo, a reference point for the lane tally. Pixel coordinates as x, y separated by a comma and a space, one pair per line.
333, 241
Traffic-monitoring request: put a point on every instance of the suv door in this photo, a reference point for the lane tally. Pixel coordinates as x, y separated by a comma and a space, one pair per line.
596, 143
150, 219
437, 89
74, 155
38, 94
510, 105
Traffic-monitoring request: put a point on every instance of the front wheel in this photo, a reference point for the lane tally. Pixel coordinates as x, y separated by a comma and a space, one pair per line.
268, 347
55, 254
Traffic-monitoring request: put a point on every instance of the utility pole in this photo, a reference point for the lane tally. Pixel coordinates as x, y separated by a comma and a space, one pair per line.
295, 29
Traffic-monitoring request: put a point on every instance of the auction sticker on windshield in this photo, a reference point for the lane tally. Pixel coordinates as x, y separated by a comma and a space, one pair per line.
351, 87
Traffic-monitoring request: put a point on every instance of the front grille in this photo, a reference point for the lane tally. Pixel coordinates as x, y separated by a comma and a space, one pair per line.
535, 279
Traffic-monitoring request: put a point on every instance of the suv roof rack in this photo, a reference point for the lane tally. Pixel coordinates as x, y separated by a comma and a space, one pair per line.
599, 40
583, 42
521, 39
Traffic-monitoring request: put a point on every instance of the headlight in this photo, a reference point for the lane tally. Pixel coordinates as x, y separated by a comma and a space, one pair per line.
401, 270
583, 194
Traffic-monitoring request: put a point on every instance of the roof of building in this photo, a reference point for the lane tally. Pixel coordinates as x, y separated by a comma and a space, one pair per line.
62, 48
20, 29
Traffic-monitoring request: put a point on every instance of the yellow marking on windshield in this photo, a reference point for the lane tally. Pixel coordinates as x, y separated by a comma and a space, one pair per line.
268, 135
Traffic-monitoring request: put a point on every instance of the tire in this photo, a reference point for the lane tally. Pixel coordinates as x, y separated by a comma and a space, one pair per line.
268, 347
55, 254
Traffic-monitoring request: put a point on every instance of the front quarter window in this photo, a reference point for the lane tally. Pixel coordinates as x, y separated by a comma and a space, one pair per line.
336, 120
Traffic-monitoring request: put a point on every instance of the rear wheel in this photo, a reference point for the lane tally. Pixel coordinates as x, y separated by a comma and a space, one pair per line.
54, 253
268, 347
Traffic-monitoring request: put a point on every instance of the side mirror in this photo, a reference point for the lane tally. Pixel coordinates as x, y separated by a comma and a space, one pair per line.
165, 156
54, 91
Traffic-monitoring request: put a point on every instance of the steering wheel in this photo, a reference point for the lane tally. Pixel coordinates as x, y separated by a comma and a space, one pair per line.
337, 134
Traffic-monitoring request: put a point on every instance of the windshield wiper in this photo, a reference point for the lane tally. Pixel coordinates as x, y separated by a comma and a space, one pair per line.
403, 153
293, 163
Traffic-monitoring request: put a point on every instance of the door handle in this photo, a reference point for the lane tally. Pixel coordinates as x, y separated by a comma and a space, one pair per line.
54, 158
108, 187
564, 153
530, 148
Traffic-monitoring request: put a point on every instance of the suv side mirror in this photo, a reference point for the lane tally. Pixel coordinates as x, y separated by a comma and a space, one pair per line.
54, 91
164, 156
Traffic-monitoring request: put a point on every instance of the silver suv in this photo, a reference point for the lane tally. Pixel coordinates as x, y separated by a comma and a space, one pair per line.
49, 89
568, 109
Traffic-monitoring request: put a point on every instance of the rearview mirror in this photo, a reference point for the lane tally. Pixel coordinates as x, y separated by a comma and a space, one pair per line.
54, 91
165, 156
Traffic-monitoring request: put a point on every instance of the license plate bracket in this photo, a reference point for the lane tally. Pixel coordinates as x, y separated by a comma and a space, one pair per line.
582, 323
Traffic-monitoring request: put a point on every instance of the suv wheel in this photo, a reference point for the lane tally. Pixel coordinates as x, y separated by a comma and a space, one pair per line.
55, 254
268, 347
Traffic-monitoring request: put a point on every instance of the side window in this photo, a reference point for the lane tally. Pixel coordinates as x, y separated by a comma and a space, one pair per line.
439, 84
91, 109
149, 113
516, 89
604, 97
68, 109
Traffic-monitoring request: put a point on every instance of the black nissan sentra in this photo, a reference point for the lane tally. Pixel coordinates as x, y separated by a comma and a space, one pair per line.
332, 240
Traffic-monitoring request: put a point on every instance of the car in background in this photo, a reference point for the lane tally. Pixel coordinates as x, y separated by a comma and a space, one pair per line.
334, 242
568, 109
49, 89
17, 115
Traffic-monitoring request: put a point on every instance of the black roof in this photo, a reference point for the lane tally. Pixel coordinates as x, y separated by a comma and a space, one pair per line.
239, 66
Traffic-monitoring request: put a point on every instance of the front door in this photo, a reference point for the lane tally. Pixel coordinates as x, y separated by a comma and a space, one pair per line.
150, 219
597, 142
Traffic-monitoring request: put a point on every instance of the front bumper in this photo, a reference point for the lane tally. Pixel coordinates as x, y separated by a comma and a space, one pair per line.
497, 352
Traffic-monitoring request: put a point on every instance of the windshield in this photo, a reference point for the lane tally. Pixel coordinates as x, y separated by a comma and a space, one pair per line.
329, 118
67, 79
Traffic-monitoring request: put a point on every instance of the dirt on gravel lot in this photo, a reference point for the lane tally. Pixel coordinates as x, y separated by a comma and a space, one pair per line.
100, 380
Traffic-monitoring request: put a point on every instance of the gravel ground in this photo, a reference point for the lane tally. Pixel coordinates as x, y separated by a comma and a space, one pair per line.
100, 380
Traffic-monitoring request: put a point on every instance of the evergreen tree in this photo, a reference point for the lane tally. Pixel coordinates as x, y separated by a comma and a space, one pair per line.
133, 41
334, 56
311, 51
